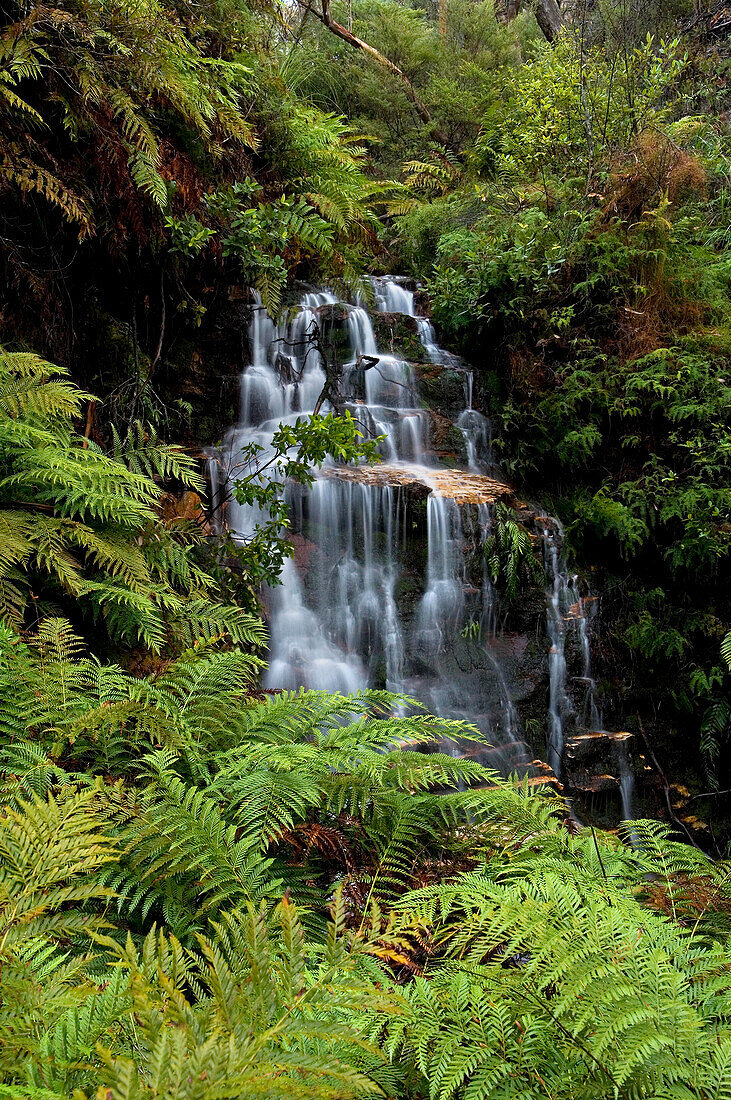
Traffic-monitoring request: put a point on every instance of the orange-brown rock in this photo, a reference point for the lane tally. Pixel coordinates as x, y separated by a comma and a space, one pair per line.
458, 485
303, 550
186, 506
440, 429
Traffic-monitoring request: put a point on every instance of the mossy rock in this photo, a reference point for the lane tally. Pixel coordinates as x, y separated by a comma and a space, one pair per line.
408, 592
397, 334
455, 445
441, 388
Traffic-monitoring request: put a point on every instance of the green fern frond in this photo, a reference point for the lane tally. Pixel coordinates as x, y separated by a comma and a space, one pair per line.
144, 453
726, 649
49, 850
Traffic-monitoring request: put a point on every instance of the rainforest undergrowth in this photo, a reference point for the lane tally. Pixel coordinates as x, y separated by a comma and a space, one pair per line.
207, 890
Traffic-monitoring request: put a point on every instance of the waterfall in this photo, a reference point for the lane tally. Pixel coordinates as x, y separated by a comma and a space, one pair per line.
389, 586
300, 652
391, 297
476, 431
441, 609
626, 784
566, 613
560, 705
353, 590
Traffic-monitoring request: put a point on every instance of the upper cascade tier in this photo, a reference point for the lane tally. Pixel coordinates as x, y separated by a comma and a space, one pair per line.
289, 371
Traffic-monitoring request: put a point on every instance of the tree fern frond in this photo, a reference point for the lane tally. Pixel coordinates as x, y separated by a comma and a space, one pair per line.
48, 852
181, 831
197, 618
726, 649
129, 615
144, 453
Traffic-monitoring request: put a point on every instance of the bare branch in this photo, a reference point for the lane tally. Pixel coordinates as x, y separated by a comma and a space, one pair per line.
325, 16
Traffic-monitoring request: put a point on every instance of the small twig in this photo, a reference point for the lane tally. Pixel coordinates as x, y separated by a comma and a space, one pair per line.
89, 421
158, 350
599, 857
664, 779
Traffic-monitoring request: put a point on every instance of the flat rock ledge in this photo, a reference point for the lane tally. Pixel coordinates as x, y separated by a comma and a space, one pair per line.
457, 485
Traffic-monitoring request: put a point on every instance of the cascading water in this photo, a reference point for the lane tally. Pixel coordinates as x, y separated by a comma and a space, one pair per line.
391, 297
476, 431
355, 575
566, 612
362, 605
560, 705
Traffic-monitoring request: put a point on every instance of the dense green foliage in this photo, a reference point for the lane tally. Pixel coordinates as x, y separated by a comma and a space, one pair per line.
83, 529
152, 155
599, 265
81, 524
209, 892
204, 896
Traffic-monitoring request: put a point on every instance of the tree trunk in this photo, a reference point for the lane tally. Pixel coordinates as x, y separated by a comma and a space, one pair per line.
506, 10
549, 18
443, 19
548, 15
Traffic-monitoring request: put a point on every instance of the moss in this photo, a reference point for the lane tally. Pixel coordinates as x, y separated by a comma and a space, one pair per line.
455, 442
441, 389
397, 334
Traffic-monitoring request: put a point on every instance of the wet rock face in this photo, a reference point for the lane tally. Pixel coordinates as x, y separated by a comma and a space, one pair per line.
489, 660
304, 549
332, 321
422, 305
493, 659
420, 482
591, 760
442, 389
397, 334
186, 506
448, 442
203, 371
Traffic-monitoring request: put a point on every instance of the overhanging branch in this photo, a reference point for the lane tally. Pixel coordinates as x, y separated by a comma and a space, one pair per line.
324, 14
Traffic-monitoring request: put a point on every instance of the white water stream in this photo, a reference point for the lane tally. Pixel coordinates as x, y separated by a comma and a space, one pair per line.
363, 604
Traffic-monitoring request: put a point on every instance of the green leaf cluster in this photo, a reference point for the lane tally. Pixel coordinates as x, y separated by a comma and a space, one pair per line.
510, 553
